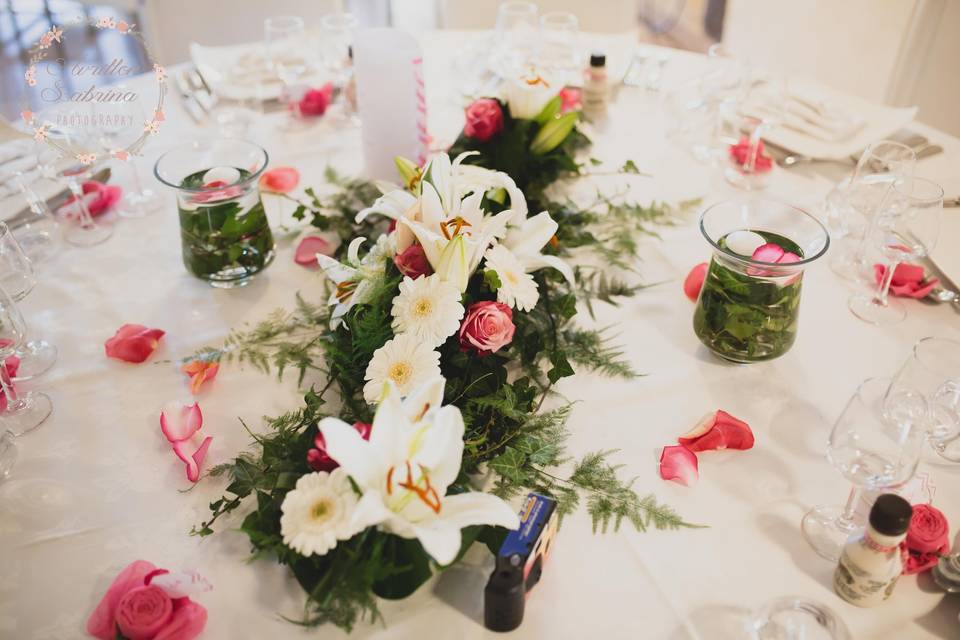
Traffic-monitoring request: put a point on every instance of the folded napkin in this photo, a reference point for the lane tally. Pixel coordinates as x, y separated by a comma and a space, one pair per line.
244, 72
18, 162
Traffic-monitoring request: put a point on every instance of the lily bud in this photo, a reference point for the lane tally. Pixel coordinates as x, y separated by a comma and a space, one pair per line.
550, 110
408, 169
554, 133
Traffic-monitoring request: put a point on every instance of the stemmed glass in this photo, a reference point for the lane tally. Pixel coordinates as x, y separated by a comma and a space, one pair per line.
516, 34
84, 231
285, 51
558, 44
881, 164
18, 277
118, 125
906, 227
38, 235
933, 371
875, 444
20, 412
336, 49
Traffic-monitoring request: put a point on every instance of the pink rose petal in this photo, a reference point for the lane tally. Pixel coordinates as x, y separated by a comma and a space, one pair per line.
180, 423
694, 281
908, 280
133, 343
309, 247
192, 461
768, 253
718, 430
679, 464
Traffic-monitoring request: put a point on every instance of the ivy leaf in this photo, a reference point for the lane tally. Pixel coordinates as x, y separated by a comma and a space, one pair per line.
491, 279
630, 167
509, 464
561, 368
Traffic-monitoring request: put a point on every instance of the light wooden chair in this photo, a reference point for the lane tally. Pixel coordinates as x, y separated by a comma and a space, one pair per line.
602, 16
171, 25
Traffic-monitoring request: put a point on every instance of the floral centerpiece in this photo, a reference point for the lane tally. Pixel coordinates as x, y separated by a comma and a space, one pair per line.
449, 321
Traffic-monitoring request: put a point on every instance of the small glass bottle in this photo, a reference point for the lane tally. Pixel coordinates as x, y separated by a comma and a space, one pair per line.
870, 563
596, 89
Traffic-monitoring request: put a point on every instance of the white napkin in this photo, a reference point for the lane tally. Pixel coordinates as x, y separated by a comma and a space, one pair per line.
390, 100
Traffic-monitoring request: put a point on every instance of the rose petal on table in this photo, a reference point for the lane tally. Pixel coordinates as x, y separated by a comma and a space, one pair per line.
908, 280
768, 252
306, 252
200, 371
133, 343
193, 461
179, 423
280, 180
694, 281
101, 623
679, 464
98, 197
718, 430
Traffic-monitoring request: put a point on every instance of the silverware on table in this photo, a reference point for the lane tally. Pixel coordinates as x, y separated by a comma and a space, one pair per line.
187, 97
947, 292
952, 201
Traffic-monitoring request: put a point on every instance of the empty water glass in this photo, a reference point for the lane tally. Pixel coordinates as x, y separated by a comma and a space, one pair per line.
286, 52
875, 444
20, 412
18, 277
516, 34
559, 44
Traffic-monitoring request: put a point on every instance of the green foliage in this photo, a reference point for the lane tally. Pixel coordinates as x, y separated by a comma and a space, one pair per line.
500, 396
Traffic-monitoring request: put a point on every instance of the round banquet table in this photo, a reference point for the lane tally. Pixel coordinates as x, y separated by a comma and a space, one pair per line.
97, 486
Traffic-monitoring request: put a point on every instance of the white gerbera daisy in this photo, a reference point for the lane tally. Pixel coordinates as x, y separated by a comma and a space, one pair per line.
406, 360
517, 287
318, 513
428, 308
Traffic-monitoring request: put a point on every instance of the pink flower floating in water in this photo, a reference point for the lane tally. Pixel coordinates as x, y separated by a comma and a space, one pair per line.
718, 430
200, 371
147, 603
179, 425
280, 180
909, 280
133, 343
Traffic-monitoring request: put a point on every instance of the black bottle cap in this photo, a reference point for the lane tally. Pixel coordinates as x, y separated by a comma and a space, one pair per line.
890, 515
504, 596
598, 60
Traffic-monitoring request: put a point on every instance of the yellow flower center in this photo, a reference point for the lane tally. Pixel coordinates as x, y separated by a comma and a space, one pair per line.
422, 308
400, 372
511, 277
321, 510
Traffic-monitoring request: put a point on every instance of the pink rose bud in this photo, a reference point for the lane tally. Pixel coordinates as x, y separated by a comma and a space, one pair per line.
315, 101
484, 119
142, 612
319, 460
412, 262
487, 327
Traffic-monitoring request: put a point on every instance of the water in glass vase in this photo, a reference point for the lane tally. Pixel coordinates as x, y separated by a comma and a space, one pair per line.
748, 311
223, 228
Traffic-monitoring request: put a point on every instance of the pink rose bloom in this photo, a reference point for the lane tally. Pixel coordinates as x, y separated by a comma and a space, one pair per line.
909, 280
315, 101
927, 539
319, 460
487, 327
141, 611
484, 119
98, 197
570, 99
739, 154
412, 262
280, 180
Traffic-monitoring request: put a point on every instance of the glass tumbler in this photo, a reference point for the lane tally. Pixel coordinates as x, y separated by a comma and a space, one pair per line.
224, 232
749, 303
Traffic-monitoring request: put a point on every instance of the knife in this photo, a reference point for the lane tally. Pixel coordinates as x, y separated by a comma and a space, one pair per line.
54, 202
938, 273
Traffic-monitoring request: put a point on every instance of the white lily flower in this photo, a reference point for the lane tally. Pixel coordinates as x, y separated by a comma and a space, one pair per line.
526, 239
357, 279
404, 470
527, 95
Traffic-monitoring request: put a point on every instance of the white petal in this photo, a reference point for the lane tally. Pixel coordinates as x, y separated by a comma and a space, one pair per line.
389, 424
369, 511
392, 205
474, 507
442, 447
540, 261
427, 397
335, 270
440, 177
353, 250
439, 539
356, 456
532, 235
432, 211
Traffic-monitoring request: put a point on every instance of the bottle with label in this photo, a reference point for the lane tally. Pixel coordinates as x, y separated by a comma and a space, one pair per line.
870, 563
596, 89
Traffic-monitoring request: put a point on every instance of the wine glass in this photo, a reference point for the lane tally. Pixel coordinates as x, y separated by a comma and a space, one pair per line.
860, 197
337, 35
516, 35
118, 125
38, 235
875, 444
933, 371
285, 51
19, 412
558, 44
18, 277
906, 227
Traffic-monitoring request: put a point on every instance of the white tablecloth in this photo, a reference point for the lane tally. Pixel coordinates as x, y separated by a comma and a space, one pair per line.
97, 485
